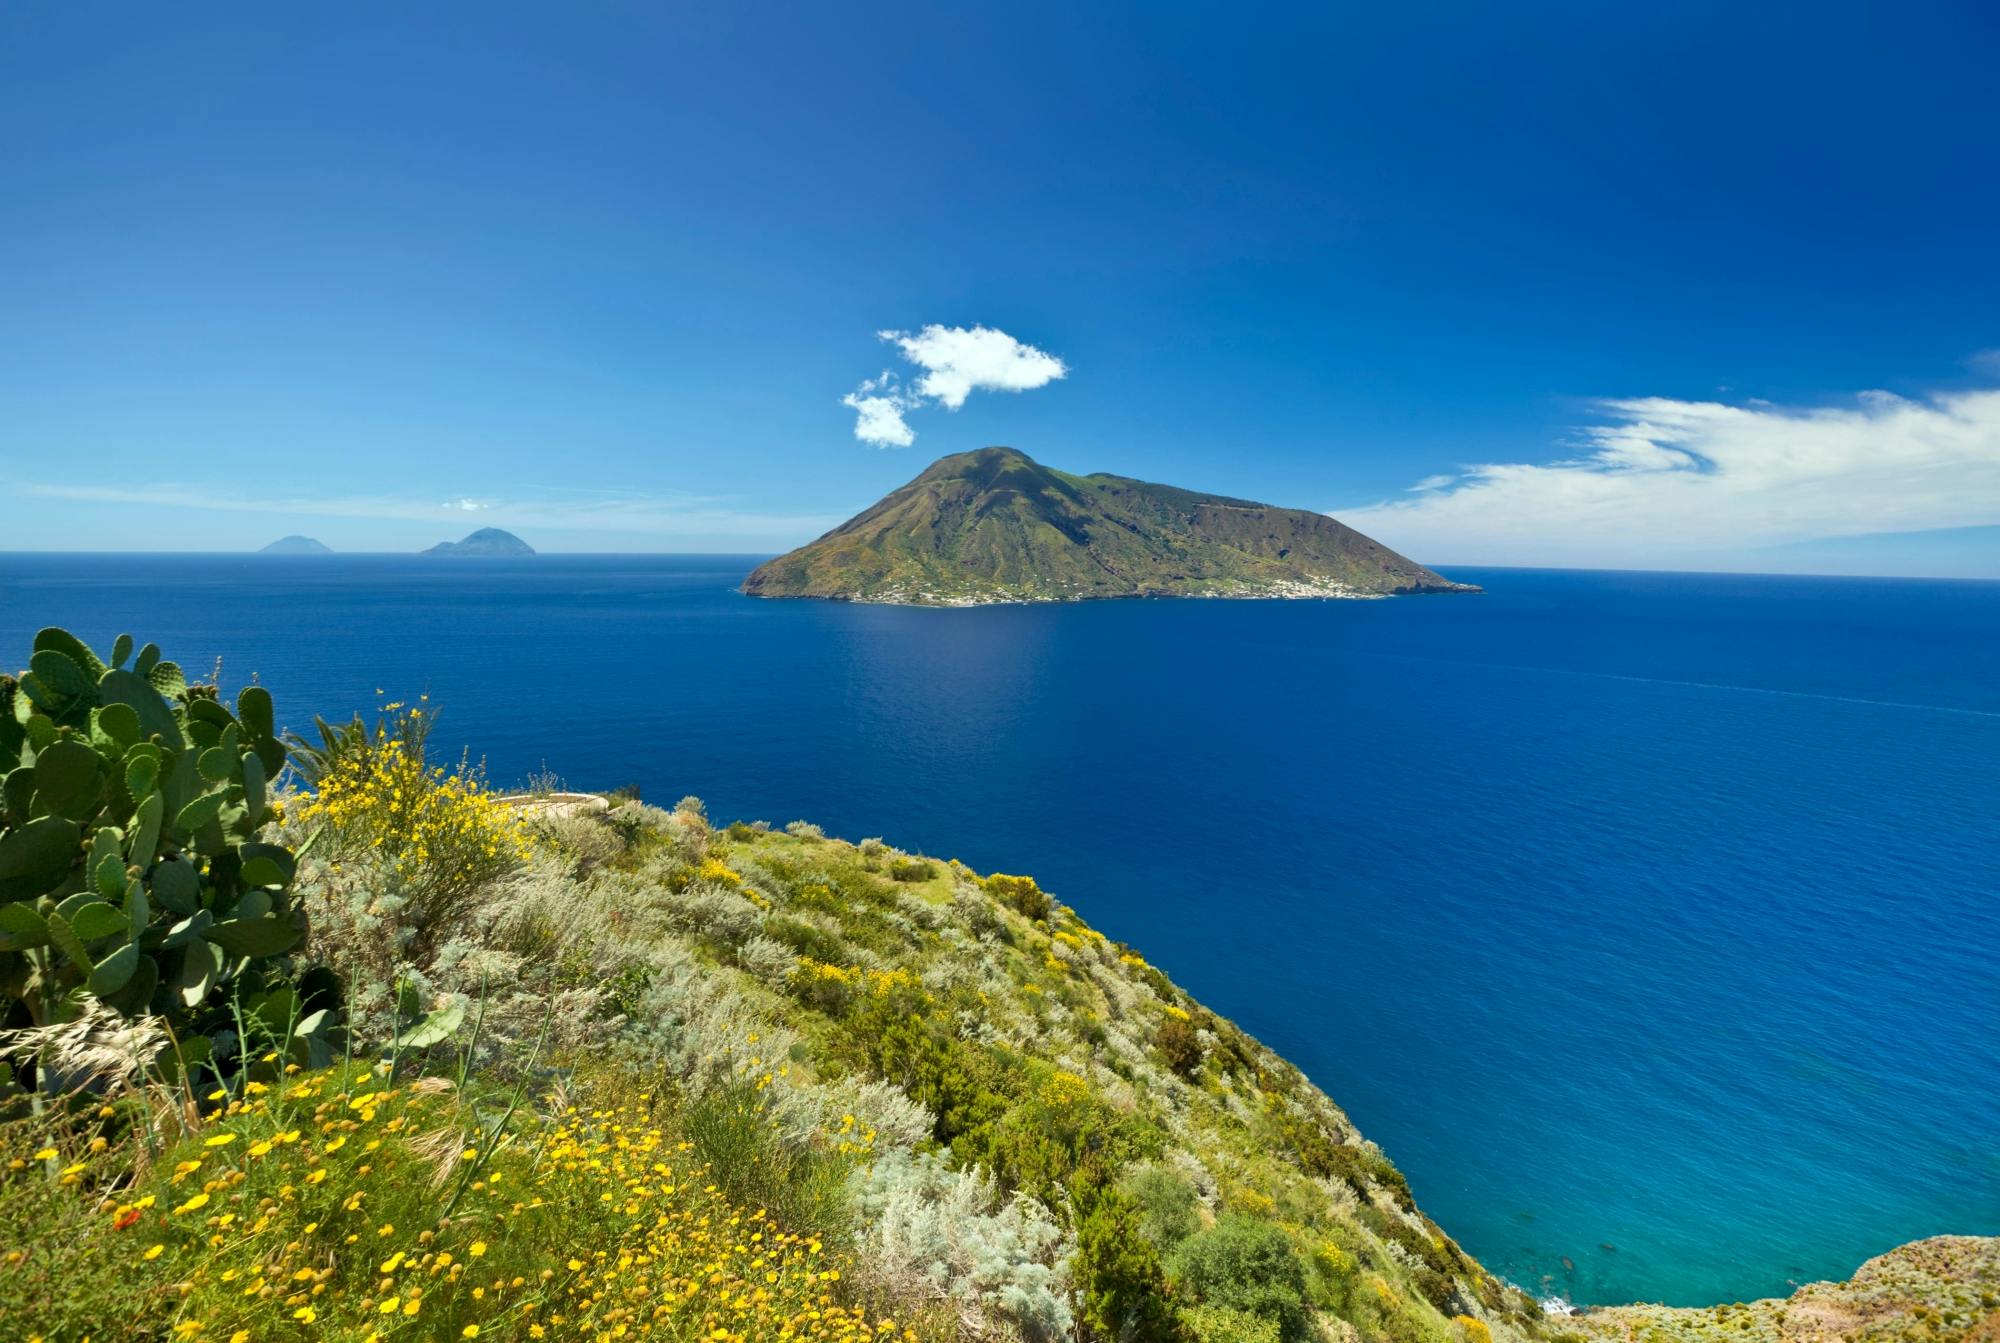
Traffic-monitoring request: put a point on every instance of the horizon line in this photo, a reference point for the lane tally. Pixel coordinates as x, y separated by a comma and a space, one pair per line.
767, 554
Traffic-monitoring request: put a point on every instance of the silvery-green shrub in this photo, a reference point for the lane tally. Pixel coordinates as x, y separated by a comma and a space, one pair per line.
929, 1229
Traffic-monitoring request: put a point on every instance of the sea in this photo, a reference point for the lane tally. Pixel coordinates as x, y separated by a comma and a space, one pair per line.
1649, 921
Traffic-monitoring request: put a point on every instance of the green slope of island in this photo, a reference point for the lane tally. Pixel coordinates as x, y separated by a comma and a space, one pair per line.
997, 526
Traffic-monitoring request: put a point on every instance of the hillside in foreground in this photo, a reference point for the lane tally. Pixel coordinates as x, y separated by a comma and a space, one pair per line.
391, 1055
997, 526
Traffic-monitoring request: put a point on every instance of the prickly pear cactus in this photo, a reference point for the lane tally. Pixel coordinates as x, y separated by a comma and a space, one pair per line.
130, 868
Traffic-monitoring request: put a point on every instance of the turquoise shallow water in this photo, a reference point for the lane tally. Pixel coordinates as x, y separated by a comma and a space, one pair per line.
1648, 921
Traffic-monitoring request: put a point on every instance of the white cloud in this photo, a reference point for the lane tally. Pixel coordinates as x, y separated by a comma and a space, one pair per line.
879, 420
467, 505
879, 405
957, 361
1660, 481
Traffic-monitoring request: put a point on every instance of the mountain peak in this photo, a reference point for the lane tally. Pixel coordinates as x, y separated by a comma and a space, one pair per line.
996, 525
486, 543
980, 465
295, 545
980, 458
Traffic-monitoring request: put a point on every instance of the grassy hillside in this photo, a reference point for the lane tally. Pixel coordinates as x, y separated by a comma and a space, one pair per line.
995, 525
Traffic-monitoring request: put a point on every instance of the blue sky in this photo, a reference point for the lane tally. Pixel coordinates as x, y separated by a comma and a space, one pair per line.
1701, 286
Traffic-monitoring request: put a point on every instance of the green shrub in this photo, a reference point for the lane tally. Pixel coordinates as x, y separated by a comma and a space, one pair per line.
1121, 1291
1179, 1045
1057, 1129
1033, 1126
1437, 1289
959, 1082
806, 939
818, 896
1166, 1206
911, 869
1020, 892
1246, 1265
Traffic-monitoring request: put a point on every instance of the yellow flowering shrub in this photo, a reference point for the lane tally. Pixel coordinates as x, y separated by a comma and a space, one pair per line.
885, 982
347, 1207
1064, 1088
443, 832
1334, 1261
830, 988
714, 869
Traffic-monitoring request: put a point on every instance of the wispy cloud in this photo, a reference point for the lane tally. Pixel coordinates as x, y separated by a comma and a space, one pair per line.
956, 362
1663, 481
570, 511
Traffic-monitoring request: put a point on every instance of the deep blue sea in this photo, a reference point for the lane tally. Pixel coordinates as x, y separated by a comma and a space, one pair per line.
1651, 922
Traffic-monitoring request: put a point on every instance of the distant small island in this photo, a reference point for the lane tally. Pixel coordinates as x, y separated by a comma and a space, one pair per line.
997, 526
296, 545
486, 543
